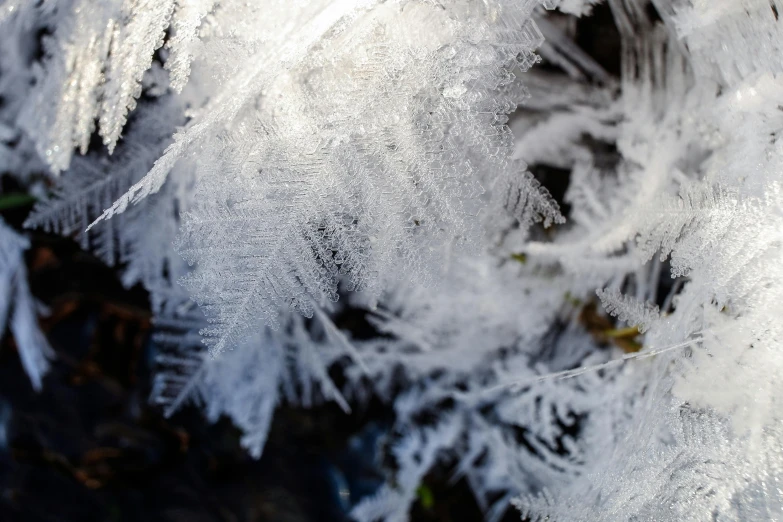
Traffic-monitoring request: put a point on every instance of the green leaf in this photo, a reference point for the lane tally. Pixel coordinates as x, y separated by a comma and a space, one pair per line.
426, 498
15, 200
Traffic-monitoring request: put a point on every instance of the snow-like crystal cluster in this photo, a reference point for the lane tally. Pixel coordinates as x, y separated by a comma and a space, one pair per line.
271, 157
697, 187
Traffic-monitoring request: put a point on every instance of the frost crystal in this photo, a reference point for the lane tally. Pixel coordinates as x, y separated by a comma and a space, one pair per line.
18, 308
275, 156
366, 159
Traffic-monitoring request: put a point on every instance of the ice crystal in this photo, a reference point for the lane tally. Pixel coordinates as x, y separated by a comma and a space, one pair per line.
382, 175
19, 309
697, 186
361, 150
642, 315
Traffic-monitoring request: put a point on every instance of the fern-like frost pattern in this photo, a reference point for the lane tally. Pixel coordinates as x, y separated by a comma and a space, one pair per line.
270, 165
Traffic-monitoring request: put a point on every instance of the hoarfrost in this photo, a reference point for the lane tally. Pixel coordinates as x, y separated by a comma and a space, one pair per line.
361, 150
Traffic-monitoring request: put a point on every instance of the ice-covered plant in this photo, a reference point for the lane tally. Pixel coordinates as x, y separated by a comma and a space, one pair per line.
282, 163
